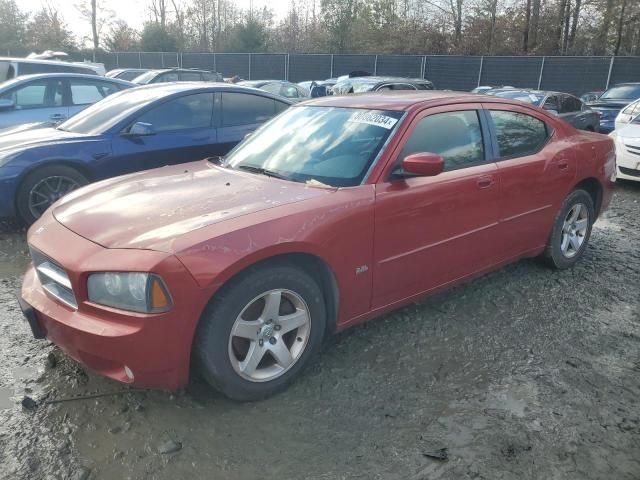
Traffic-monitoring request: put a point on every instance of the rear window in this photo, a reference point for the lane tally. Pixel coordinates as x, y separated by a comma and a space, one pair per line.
246, 109
518, 134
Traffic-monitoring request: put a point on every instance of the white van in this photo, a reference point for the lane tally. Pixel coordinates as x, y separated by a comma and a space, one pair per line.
16, 67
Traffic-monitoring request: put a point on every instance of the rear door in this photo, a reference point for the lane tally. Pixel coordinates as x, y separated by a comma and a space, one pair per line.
534, 173
430, 231
85, 92
239, 114
571, 111
41, 101
183, 132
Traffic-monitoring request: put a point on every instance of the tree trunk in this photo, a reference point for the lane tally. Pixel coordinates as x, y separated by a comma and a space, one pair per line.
567, 18
574, 24
562, 7
94, 27
527, 26
603, 34
535, 21
620, 27
493, 5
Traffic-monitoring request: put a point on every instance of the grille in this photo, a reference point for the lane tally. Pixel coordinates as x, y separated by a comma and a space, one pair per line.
633, 149
53, 278
629, 171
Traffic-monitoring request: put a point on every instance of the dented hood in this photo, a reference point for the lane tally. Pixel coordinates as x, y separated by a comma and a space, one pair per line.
148, 210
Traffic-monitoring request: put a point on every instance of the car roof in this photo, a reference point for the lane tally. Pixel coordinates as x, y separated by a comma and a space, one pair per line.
170, 88
403, 100
44, 62
379, 79
25, 78
177, 69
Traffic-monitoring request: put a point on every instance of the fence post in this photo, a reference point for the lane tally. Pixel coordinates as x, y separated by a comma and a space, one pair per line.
178, 63
480, 71
215, 65
139, 59
331, 72
541, 70
162, 59
609, 74
249, 55
286, 67
424, 67
117, 60
375, 66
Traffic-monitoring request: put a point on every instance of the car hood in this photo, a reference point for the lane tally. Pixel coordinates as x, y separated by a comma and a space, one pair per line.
149, 210
609, 103
630, 133
31, 137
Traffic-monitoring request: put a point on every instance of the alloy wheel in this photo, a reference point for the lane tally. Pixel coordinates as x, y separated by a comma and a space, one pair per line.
47, 191
574, 230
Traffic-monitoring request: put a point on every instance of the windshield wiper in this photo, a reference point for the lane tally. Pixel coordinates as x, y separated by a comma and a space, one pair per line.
262, 171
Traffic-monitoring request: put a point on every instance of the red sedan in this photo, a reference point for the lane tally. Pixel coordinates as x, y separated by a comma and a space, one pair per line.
338, 210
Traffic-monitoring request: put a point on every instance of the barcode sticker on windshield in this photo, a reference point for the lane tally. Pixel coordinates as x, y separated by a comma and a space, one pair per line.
376, 119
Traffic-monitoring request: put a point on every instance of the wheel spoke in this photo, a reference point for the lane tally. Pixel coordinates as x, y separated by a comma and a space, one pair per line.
575, 242
293, 321
271, 305
254, 355
565, 242
245, 329
42, 202
582, 224
575, 213
281, 353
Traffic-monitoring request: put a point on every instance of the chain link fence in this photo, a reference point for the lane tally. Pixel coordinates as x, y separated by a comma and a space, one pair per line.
568, 74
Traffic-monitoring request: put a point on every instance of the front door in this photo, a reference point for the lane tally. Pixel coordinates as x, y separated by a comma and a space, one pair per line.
430, 231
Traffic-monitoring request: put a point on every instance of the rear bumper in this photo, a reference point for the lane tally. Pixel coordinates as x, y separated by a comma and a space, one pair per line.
148, 350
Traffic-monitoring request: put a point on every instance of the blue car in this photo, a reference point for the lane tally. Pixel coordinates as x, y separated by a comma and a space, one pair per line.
133, 130
612, 101
51, 98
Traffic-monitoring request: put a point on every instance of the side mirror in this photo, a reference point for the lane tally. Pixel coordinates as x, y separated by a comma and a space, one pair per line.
423, 164
7, 104
141, 129
318, 91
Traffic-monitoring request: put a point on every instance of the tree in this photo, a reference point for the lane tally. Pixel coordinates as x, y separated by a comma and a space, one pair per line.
12, 26
48, 31
122, 38
93, 12
156, 38
248, 37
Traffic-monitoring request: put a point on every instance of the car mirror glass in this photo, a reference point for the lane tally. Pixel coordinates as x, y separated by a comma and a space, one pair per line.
7, 104
140, 129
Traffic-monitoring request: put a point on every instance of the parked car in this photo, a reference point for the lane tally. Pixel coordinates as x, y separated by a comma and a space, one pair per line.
177, 75
485, 89
564, 105
612, 101
126, 73
134, 130
627, 139
320, 88
590, 96
48, 99
337, 211
627, 114
378, 84
289, 90
17, 67
310, 83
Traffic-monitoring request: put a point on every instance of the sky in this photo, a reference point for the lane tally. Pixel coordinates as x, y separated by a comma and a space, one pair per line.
134, 12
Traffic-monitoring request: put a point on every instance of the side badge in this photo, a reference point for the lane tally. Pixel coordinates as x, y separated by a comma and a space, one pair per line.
361, 269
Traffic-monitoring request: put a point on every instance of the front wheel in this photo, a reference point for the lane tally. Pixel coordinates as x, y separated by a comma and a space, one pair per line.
260, 331
571, 230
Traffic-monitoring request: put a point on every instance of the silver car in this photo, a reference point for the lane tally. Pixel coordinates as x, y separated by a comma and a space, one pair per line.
50, 98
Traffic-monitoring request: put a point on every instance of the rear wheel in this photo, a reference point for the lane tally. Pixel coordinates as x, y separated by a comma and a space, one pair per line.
260, 331
43, 187
571, 230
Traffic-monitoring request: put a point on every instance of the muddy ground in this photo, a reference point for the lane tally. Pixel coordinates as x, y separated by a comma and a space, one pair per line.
524, 373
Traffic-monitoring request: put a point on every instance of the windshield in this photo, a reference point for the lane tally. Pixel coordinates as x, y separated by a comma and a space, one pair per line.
332, 146
101, 116
630, 92
522, 96
145, 77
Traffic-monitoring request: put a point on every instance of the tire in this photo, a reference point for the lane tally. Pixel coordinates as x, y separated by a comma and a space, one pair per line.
568, 243
225, 335
61, 176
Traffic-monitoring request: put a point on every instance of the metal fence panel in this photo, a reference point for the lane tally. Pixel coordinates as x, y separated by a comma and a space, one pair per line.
399, 65
129, 60
151, 60
109, 60
170, 60
304, 67
344, 64
230, 64
522, 72
625, 69
268, 66
453, 72
575, 75
197, 60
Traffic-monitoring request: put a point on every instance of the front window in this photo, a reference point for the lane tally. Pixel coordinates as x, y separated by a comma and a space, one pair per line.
622, 92
332, 146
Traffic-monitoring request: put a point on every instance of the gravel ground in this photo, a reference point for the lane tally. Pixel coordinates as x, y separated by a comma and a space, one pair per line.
524, 373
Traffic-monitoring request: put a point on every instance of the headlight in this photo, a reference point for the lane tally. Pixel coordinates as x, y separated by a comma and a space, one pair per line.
135, 291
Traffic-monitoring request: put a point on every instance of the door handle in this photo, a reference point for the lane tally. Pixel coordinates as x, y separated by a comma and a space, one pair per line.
485, 181
57, 116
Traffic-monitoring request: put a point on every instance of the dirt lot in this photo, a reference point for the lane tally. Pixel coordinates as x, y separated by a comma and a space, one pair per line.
524, 373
